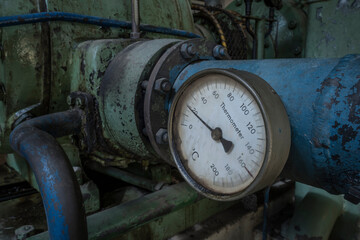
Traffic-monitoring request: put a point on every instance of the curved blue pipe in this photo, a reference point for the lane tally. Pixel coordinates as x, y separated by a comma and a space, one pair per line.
74, 17
35, 141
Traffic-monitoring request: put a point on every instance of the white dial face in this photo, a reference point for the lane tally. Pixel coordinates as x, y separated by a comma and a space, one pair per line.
219, 134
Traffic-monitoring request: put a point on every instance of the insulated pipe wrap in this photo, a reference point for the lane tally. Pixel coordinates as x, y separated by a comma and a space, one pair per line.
35, 141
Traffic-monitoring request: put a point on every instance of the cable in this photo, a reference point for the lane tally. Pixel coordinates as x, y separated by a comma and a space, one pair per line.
214, 20
239, 25
74, 17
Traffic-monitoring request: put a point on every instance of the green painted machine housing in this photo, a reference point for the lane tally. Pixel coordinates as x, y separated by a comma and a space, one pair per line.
42, 63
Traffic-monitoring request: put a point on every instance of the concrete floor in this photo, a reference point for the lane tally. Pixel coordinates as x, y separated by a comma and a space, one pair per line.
27, 210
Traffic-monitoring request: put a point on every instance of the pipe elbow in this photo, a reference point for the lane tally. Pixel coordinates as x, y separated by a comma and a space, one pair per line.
35, 141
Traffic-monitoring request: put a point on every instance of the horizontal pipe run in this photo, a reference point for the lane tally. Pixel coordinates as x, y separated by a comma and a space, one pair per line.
35, 141
111, 222
126, 177
322, 100
73, 17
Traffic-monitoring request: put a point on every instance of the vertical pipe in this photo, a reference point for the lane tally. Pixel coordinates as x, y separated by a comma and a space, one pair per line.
135, 19
260, 37
213, 3
248, 4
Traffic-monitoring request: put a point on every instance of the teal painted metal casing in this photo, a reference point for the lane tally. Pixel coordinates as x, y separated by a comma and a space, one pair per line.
36, 60
322, 99
121, 98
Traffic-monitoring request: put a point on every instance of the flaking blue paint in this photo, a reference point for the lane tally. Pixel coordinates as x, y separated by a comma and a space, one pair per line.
52, 203
57, 226
312, 114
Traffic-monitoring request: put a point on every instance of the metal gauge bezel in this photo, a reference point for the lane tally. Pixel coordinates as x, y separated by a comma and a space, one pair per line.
250, 82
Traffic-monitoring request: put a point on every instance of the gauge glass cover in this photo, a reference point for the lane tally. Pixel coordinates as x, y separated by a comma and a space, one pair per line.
218, 133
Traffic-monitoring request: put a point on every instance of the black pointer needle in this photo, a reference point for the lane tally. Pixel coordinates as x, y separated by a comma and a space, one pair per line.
216, 134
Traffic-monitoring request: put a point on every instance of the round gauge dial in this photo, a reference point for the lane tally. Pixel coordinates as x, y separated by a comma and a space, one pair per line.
219, 133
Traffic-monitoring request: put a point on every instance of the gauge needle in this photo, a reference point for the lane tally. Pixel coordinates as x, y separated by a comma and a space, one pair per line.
216, 134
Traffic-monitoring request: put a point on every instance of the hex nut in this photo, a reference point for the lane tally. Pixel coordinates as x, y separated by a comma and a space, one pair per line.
219, 52
166, 86
162, 85
161, 136
187, 51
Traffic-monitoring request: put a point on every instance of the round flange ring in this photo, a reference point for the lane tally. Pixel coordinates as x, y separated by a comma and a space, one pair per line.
170, 64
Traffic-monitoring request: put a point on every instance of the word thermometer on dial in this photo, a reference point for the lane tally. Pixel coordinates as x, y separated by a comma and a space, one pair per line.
222, 133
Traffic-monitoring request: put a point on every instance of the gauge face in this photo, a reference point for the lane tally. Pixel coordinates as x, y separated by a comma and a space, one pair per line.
218, 134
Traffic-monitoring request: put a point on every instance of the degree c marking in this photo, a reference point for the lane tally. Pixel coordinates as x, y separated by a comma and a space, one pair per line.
195, 156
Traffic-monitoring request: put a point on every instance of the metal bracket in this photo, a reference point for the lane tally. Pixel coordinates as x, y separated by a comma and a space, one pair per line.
84, 101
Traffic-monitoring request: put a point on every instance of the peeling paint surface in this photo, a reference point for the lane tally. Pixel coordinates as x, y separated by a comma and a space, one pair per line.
322, 100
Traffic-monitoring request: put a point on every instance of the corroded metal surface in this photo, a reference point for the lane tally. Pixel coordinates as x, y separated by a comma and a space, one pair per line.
321, 97
35, 141
121, 102
36, 60
335, 138
168, 67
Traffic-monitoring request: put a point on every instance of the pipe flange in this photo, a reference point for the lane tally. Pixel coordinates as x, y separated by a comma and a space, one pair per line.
171, 63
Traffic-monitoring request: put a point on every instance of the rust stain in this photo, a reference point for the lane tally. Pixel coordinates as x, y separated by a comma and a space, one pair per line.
354, 102
348, 134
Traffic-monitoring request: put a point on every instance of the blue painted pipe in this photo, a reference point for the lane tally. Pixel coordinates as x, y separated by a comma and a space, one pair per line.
35, 141
322, 99
74, 17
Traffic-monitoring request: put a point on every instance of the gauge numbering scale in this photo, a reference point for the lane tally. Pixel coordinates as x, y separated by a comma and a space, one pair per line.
229, 133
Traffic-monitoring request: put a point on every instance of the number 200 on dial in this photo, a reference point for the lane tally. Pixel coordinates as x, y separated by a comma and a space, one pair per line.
221, 130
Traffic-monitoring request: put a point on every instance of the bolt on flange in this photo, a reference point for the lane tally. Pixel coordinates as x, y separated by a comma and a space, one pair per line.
219, 52
187, 51
162, 136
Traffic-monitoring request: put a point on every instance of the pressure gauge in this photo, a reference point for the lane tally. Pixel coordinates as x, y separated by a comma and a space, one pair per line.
229, 133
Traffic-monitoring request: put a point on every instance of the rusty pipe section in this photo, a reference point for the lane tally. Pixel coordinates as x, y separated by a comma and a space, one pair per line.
35, 141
